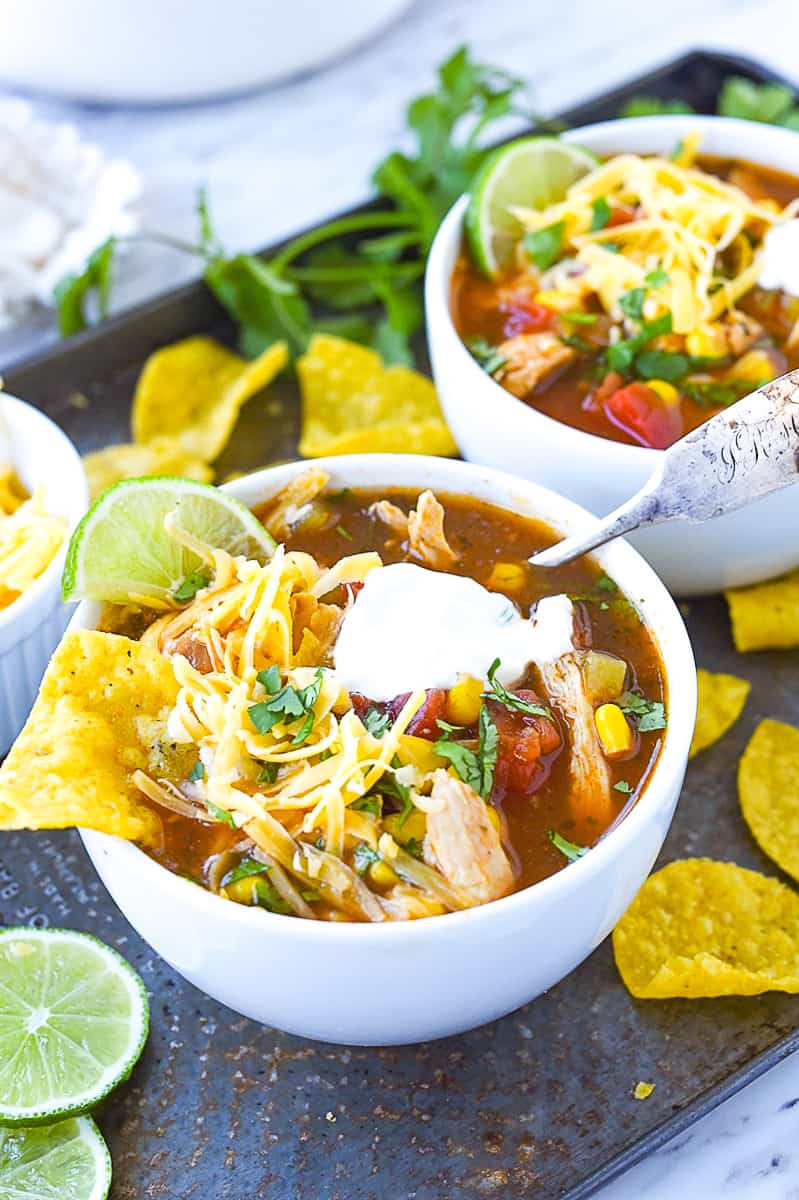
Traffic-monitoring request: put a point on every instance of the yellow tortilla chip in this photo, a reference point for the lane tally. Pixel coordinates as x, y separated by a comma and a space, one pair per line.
193, 391
766, 616
768, 790
351, 404
161, 456
721, 702
701, 928
100, 712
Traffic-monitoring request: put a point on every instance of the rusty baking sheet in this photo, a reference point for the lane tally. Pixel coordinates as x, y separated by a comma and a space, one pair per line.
538, 1104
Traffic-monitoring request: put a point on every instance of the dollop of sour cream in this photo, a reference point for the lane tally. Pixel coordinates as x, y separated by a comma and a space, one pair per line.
779, 266
414, 628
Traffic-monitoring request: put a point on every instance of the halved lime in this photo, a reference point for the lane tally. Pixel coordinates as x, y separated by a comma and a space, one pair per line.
67, 1161
121, 547
73, 1022
531, 172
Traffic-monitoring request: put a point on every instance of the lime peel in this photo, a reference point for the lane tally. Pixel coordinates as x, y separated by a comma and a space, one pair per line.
70, 1157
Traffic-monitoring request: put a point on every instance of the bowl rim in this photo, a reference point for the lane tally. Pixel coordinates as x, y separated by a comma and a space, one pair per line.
77, 499
438, 278
680, 679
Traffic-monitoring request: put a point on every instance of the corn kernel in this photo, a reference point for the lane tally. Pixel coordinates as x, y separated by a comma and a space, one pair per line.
413, 827
756, 366
706, 342
559, 301
494, 818
506, 576
613, 729
241, 890
419, 752
667, 391
383, 875
464, 701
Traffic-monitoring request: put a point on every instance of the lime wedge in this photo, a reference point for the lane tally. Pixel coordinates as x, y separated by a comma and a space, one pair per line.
69, 1161
73, 1022
121, 547
532, 172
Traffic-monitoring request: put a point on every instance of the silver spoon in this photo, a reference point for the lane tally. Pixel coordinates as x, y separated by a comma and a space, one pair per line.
744, 452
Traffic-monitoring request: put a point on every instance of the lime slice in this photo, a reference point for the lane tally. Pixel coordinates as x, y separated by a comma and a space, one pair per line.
73, 1022
121, 547
532, 172
69, 1161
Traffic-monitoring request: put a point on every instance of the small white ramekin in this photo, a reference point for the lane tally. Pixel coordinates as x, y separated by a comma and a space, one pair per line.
491, 426
409, 981
31, 627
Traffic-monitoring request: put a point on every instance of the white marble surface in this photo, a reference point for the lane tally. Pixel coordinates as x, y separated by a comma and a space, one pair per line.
275, 161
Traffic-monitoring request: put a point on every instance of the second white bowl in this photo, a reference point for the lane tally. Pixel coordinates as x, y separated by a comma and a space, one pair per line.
491, 426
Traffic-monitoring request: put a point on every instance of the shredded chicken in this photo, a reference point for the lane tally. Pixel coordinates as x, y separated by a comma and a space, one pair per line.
529, 358
291, 500
740, 332
462, 843
590, 777
426, 538
423, 528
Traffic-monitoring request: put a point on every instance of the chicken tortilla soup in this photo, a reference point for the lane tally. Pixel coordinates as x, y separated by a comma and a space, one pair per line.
389, 714
655, 293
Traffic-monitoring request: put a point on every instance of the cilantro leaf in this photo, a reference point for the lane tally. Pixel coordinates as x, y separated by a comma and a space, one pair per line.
369, 804
488, 751
464, 760
661, 364
770, 103
246, 869
622, 786
487, 356
497, 692
650, 713
600, 214
363, 856
197, 772
269, 678
220, 814
580, 318
268, 772
267, 896
376, 722
657, 278
73, 291
632, 303
191, 585
543, 246
569, 849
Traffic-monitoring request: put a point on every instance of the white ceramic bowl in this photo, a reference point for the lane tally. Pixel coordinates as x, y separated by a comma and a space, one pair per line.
31, 627
159, 51
492, 426
410, 981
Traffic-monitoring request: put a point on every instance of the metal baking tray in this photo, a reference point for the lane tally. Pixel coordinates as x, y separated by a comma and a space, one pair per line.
538, 1104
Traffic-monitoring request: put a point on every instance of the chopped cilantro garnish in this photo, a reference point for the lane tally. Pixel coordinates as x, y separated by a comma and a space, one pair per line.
220, 814
650, 713
447, 728
197, 772
622, 786
718, 394
369, 804
570, 849
581, 318
376, 722
632, 303
600, 214
344, 533
497, 692
620, 355
657, 278
302, 734
464, 760
413, 847
476, 769
543, 246
244, 870
191, 585
288, 704
606, 584
341, 494
577, 343
363, 856
661, 364
487, 356
270, 678
267, 896
268, 773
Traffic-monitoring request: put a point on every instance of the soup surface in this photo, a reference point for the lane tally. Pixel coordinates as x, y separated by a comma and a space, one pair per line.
489, 788
658, 293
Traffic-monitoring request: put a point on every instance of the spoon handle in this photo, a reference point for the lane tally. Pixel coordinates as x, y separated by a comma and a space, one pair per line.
744, 452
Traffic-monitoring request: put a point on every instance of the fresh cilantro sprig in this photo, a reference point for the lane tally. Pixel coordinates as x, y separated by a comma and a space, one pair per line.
487, 356
530, 708
286, 704
651, 714
475, 768
569, 849
769, 103
359, 276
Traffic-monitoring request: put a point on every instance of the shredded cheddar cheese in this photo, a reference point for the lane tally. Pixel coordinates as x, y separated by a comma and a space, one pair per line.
30, 537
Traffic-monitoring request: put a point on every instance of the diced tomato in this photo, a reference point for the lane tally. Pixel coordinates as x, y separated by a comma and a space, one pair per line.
351, 591
639, 411
522, 315
621, 214
422, 724
527, 746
